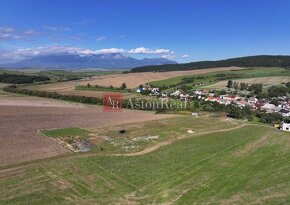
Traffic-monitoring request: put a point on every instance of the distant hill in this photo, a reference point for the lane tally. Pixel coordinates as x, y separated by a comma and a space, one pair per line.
76, 61
249, 61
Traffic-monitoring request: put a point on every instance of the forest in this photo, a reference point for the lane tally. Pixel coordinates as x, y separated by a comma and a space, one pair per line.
249, 61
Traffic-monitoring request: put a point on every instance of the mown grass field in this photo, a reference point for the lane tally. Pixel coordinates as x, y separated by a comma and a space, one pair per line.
208, 80
71, 131
102, 89
240, 164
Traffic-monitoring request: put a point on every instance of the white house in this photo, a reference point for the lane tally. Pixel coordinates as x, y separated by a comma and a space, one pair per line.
176, 93
194, 114
285, 126
284, 113
252, 100
153, 90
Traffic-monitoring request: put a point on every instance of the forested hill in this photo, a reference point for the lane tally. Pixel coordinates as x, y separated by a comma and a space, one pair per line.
249, 61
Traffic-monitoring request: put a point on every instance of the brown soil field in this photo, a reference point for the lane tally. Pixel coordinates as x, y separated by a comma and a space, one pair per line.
21, 117
132, 80
263, 80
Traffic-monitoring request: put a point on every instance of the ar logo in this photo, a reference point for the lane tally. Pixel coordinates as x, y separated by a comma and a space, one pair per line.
112, 102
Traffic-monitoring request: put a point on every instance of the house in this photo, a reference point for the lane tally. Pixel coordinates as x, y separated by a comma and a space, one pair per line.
252, 100
285, 126
184, 96
241, 102
194, 114
269, 107
153, 90
176, 93
197, 92
284, 113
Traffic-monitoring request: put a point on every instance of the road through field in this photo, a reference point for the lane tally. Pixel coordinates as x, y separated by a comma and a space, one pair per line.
21, 117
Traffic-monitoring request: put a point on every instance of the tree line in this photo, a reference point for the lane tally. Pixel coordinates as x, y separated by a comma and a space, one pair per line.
257, 88
248, 61
21, 79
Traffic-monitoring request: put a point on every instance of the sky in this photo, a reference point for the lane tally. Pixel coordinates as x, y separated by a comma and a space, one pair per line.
181, 30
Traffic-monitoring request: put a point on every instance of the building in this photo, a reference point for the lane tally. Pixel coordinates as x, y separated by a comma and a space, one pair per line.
269, 107
284, 113
285, 126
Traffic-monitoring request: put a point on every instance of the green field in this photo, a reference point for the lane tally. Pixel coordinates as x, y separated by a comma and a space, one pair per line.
61, 75
102, 89
72, 131
240, 164
204, 80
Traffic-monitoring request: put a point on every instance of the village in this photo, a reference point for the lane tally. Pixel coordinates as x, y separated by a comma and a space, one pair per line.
279, 105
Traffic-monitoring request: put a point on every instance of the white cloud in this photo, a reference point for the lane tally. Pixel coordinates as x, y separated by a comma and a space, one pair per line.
9, 33
101, 38
56, 28
168, 56
185, 56
7, 29
31, 32
25, 53
143, 50
110, 50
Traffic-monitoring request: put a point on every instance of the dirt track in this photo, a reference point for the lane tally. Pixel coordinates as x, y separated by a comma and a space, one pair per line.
168, 142
20, 120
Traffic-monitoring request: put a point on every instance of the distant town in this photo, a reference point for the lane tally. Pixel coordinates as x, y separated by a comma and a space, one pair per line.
272, 106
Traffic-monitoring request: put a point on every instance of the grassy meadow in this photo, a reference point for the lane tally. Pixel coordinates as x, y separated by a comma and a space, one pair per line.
221, 162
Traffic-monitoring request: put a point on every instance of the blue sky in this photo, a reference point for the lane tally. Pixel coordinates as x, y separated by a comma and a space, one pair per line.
182, 30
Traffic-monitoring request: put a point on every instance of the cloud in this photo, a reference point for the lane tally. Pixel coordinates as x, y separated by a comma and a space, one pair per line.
31, 32
110, 50
168, 56
101, 38
9, 33
7, 29
25, 53
85, 21
185, 56
143, 50
56, 28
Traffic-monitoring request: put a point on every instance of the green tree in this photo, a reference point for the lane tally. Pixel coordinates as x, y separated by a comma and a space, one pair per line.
236, 85
123, 86
230, 84
276, 91
288, 85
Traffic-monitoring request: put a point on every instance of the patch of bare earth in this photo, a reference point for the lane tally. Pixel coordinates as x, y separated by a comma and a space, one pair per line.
21, 118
